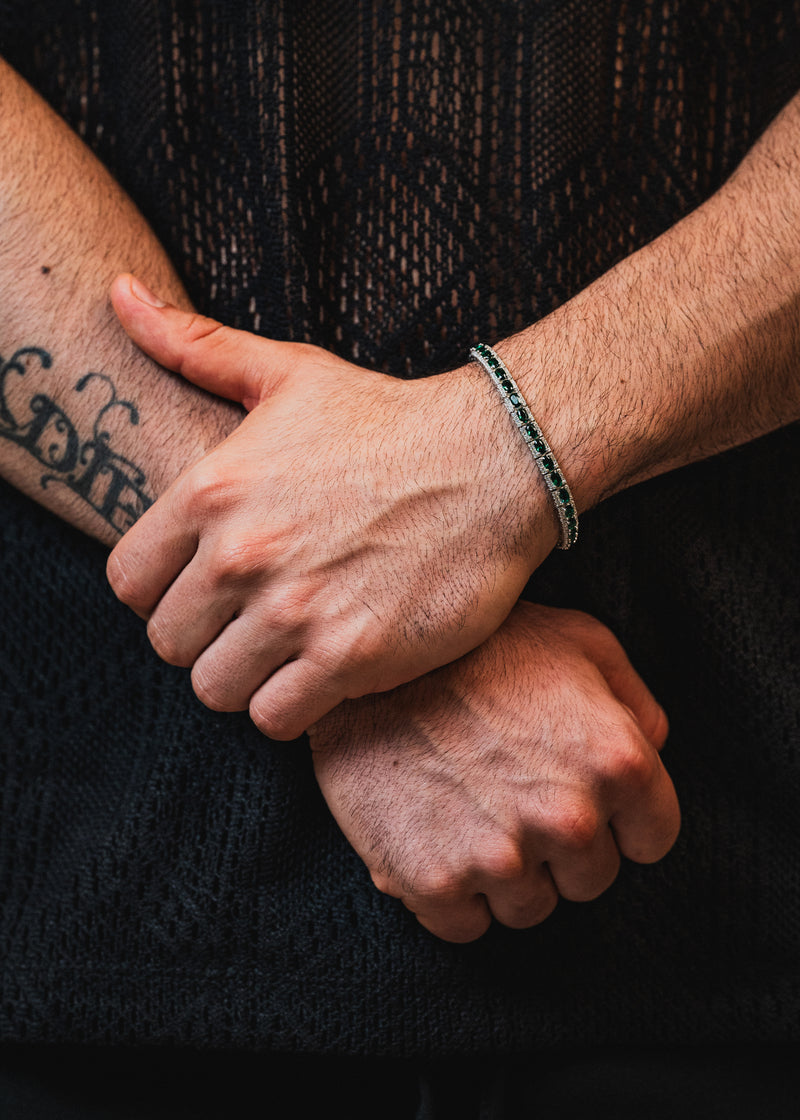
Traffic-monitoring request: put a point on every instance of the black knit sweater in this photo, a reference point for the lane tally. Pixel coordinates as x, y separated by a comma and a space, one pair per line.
394, 182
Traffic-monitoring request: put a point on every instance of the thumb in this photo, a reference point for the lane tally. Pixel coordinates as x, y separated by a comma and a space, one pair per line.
630, 690
224, 361
627, 685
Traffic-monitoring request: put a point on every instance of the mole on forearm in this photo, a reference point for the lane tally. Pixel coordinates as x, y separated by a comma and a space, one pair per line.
74, 454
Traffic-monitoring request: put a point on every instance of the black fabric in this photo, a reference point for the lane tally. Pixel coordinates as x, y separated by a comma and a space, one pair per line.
88, 1083
705, 1083
393, 182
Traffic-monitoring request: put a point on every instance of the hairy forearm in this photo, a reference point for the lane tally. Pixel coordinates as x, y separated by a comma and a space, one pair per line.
89, 426
686, 348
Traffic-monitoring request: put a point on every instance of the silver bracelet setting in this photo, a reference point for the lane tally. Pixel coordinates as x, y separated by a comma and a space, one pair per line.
520, 413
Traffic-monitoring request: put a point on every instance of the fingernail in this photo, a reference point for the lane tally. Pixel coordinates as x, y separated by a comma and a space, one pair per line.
144, 294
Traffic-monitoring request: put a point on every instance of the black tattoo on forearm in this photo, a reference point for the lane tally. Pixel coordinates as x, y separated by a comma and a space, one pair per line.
111, 484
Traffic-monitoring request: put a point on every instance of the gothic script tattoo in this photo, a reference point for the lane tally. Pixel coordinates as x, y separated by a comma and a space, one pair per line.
111, 484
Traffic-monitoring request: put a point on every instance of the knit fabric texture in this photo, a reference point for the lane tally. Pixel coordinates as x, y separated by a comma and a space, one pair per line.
394, 181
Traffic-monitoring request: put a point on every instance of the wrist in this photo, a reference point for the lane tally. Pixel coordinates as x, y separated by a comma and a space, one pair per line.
496, 469
548, 374
527, 428
687, 347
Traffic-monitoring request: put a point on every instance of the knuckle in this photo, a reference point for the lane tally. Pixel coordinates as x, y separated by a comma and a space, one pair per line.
291, 602
574, 826
672, 829
266, 722
278, 725
461, 923
462, 931
163, 642
543, 909
202, 332
198, 327
206, 490
596, 886
630, 762
586, 627
531, 913
212, 692
660, 729
663, 836
384, 883
503, 861
340, 666
441, 886
122, 579
235, 560
582, 620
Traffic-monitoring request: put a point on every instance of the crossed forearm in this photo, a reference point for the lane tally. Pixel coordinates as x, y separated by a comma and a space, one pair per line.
654, 367
686, 348
89, 425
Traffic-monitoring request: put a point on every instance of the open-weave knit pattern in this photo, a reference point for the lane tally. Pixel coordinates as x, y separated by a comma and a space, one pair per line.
394, 181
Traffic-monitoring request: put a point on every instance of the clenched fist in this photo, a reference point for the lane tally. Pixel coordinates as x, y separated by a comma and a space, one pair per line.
521, 773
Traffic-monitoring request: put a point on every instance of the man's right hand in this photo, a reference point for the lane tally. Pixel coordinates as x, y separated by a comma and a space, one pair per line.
522, 772
356, 531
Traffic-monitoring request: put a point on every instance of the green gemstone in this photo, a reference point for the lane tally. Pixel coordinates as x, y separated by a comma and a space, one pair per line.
556, 478
506, 385
493, 362
522, 414
539, 446
565, 498
572, 517
548, 464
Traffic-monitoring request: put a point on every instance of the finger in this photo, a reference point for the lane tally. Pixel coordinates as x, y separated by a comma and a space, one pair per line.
236, 664
191, 615
458, 921
149, 557
226, 362
581, 871
524, 901
648, 713
295, 696
647, 823
627, 685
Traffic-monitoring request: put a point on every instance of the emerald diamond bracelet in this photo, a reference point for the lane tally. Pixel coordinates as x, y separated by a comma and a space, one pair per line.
540, 449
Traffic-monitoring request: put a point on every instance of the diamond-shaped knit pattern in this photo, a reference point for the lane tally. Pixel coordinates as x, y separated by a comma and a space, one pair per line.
395, 181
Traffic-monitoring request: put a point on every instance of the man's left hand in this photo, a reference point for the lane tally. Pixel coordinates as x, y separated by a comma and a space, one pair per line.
521, 773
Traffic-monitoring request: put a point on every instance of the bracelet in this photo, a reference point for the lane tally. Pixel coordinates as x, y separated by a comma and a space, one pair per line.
540, 449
